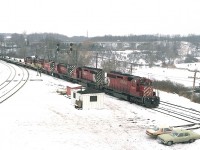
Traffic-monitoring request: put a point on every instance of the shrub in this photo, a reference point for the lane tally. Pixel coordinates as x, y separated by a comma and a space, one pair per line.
179, 89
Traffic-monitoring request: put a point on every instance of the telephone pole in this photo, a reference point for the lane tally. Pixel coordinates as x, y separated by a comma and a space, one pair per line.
193, 87
96, 60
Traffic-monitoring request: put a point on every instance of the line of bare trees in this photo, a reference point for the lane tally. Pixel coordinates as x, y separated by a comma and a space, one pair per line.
152, 48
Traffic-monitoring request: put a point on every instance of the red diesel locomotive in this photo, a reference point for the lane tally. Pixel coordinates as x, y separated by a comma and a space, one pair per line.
135, 89
132, 88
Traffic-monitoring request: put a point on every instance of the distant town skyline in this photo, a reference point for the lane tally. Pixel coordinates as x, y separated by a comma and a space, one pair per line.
99, 18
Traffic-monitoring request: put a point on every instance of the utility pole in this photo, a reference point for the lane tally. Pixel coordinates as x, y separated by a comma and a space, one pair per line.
4, 50
131, 70
76, 57
96, 60
193, 87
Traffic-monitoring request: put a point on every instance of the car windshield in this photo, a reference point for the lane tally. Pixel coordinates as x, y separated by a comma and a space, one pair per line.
174, 134
155, 128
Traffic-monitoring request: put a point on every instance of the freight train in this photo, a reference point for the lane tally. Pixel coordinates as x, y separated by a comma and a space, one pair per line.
132, 88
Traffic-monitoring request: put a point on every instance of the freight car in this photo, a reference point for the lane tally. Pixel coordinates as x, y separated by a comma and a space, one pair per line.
132, 88
33, 63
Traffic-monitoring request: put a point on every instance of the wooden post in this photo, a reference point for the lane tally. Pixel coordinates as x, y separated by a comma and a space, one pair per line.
193, 87
96, 60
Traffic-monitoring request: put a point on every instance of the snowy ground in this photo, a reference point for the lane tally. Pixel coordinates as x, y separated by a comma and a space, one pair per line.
38, 118
183, 74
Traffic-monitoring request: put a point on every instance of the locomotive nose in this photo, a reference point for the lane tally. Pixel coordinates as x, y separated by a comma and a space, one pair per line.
151, 102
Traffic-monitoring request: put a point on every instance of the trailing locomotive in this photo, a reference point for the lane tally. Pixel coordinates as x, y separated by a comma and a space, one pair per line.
132, 88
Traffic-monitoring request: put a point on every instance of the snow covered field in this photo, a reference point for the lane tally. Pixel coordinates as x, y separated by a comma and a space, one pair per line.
38, 118
183, 75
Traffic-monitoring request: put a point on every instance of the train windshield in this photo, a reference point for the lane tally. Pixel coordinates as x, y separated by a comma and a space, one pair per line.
145, 82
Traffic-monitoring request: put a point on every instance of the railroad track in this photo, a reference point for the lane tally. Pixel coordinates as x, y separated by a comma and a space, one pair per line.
179, 112
179, 107
17, 78
12, 73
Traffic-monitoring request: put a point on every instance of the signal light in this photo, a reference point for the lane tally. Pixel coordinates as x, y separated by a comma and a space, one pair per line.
70, 48
58, 49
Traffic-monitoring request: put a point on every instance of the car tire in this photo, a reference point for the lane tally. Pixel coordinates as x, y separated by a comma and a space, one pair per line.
169, 143
191, 140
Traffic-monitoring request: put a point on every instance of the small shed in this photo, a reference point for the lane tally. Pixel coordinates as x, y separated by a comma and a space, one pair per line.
88, 99
72, 87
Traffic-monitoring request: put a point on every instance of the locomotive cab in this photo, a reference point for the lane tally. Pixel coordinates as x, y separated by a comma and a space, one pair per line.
146, 90
144, 87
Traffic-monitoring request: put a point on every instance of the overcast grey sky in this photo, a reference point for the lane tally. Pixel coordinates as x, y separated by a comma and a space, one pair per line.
100, 17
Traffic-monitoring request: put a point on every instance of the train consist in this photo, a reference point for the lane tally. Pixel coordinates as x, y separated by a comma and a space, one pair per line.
132, 88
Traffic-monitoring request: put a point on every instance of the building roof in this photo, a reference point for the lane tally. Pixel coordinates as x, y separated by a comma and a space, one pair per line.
89, 91
72, 85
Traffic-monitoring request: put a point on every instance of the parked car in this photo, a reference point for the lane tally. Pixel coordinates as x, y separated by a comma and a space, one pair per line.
178, 136
155, 130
